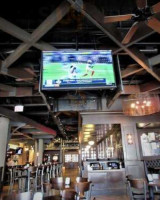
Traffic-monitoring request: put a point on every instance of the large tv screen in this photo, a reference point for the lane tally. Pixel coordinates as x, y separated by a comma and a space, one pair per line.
77, 70
19, 150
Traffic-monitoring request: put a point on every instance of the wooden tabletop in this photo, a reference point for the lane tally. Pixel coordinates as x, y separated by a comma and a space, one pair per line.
20, 196
154, 183
28, 196
158, 168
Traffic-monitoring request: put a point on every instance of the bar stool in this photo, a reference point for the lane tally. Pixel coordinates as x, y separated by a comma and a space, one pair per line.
50, 172
60, 169
11, 178
33, 176
47, 173
40, 176
22, 175
57, 172
53, 171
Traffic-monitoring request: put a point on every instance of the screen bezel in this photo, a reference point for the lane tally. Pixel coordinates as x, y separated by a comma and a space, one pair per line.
76, 88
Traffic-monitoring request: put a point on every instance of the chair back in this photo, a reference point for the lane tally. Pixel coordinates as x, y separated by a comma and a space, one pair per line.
137, 187
57, 183
57, 180
38, 196
81, 179
137, 183
68, 195
46, 187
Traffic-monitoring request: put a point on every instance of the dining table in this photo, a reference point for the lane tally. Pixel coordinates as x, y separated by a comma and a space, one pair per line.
28, 196
19, 196
151, 186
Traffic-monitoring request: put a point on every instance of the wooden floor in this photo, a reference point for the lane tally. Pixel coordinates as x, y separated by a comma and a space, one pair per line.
72, 173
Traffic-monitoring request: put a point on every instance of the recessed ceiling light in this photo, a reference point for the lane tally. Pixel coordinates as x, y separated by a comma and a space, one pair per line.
86, 133
91, 143
87, 136
89, 126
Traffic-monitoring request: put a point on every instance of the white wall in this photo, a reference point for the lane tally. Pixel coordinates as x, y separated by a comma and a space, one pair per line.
4, 130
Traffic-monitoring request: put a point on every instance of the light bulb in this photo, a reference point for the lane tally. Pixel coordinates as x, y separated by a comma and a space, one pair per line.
148, 103
133, 105
91, 142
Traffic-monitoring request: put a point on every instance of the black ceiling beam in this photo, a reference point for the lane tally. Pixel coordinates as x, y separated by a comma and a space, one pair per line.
96, 17
20, 118
40, 31
22, 35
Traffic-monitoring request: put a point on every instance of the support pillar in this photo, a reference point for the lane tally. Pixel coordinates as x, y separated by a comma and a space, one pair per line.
40, 151
4, 137
35, 152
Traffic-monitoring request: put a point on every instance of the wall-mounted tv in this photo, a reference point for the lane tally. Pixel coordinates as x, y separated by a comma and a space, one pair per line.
77, 70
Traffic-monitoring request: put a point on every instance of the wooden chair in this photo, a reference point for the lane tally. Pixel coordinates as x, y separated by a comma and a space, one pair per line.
57, 184
81, 179
69, 195
137, 189
83, 190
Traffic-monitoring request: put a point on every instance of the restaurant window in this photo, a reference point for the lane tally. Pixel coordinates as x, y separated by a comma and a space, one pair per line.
109, 141
90, 153
71, 158
149, 134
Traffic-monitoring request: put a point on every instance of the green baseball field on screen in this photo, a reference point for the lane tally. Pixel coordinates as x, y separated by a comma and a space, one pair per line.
59, 71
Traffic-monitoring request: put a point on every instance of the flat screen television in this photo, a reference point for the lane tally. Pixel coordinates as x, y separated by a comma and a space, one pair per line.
19, 151
77, 70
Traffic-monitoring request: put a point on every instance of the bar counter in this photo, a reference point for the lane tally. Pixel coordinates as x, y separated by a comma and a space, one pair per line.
108, 181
